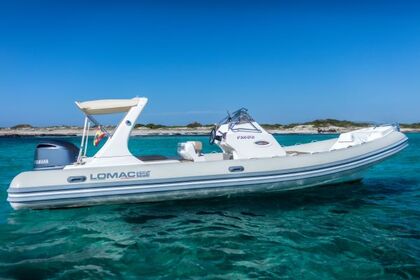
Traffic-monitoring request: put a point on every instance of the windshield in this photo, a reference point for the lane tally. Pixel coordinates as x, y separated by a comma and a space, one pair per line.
240, 116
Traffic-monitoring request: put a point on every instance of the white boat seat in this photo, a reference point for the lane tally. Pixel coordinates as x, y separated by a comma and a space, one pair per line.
198, 146
191, 150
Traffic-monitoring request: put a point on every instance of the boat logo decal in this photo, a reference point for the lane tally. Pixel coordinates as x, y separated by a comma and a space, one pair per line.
41, 161
242, 137
119, 175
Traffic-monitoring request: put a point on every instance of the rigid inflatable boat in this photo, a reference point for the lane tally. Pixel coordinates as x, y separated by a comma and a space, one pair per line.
250, 160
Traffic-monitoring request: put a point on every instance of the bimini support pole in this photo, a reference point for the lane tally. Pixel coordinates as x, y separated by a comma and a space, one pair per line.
82, 143
86, 139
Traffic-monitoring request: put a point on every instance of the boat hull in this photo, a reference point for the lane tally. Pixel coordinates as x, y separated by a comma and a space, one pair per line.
198, 180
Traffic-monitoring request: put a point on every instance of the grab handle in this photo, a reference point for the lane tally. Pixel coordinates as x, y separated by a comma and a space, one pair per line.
236, 168
76, 179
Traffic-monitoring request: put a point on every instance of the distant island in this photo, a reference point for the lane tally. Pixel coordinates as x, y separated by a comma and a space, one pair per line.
195, 128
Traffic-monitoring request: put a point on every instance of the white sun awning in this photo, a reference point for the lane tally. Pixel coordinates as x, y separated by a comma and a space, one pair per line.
108, 106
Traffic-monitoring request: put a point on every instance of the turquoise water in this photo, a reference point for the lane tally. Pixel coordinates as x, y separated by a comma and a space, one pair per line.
369, 229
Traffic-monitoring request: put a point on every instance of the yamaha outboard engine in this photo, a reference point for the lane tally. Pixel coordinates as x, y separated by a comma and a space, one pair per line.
55, 154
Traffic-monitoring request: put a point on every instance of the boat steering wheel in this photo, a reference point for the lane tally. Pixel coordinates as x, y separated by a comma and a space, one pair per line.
212, 136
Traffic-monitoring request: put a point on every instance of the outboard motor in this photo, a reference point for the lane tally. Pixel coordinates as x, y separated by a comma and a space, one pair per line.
55, 154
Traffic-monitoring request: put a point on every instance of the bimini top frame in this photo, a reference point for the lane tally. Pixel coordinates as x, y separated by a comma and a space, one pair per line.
116, 147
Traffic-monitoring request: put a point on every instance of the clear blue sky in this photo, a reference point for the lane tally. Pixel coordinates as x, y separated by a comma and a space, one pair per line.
286, 61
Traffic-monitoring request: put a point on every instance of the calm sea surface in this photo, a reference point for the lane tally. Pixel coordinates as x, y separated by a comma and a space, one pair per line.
365, 230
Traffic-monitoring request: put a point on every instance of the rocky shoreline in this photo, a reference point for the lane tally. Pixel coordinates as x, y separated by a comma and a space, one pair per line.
144, 131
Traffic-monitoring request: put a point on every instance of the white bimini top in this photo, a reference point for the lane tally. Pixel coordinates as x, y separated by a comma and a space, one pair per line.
107, 106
